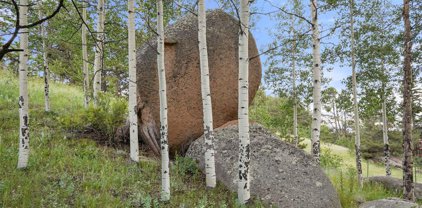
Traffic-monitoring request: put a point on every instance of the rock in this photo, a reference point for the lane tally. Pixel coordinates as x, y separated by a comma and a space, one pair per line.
395, 184
183, 78
389, 203
281, 174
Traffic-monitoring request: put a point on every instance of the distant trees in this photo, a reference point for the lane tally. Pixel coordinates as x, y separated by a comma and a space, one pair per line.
99, 50
45, 64
85, 57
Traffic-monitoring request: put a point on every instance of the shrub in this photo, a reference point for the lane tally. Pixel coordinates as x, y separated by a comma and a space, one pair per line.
185, 166
100, 122
330, 160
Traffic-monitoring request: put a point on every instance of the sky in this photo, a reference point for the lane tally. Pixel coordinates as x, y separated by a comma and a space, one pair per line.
264, 24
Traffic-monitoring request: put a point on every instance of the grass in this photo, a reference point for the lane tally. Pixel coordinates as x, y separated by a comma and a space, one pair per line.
66, 172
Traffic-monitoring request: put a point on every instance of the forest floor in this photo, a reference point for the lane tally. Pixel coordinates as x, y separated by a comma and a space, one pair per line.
65, 172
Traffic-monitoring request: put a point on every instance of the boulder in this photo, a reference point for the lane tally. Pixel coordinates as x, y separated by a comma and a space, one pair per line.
395, 184
389, 203
183, 78
281, 174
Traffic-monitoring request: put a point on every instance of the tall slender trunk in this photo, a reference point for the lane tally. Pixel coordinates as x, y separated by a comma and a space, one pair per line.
295, 134
23, 87
243, 189
133, 117
407, 105
316, 70
206, 97
43, 33
165, 176
85, 58
99, 50
385, 134
335, 116
355, 100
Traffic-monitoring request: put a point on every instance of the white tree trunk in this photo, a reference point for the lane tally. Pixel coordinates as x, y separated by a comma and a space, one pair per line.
23, 87
295, 134
355, 100
165, 176
206, 97
316, 70
385, 138
243, 189
99, 50
45, 64
85, 58
133, 118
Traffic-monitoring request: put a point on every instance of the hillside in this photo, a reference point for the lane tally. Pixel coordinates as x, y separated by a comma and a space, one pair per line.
69, 172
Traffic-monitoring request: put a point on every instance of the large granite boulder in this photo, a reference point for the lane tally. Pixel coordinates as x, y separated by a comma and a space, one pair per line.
183, 78
395, 184
389, 203
281, 174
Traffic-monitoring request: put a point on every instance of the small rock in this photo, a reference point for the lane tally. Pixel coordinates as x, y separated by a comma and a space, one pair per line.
389, 203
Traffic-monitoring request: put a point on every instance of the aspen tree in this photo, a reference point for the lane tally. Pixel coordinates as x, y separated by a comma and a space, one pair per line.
165, 176
23, 87
85, 57
316, 71
206, 97
133, 118
243, 189
355, 100
43, 33
99, 50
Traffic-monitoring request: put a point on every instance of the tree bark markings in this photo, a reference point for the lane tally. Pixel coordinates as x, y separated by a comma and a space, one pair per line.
206, 97
133, 117
165, 177
23, 88
243, 190
316, 70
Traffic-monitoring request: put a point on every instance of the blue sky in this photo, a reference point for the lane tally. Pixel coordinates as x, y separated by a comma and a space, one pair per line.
262, 35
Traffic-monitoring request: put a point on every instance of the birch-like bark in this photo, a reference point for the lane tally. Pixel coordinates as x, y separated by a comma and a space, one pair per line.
85, 58
99, 50
206, 97
316, 70
133, 117
385, 136
355, 100
295, 134
165, 176
408, 185
43, 33
23, 87
243, 189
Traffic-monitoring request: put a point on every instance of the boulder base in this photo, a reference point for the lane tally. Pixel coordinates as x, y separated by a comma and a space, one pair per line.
281, 174
389, 203
395, 184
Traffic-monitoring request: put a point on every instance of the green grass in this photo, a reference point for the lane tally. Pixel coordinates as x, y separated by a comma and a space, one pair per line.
68, 172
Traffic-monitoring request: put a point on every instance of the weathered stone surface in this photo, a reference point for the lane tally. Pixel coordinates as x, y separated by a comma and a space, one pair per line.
183, 77
389, 203
281, 174
395, 184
